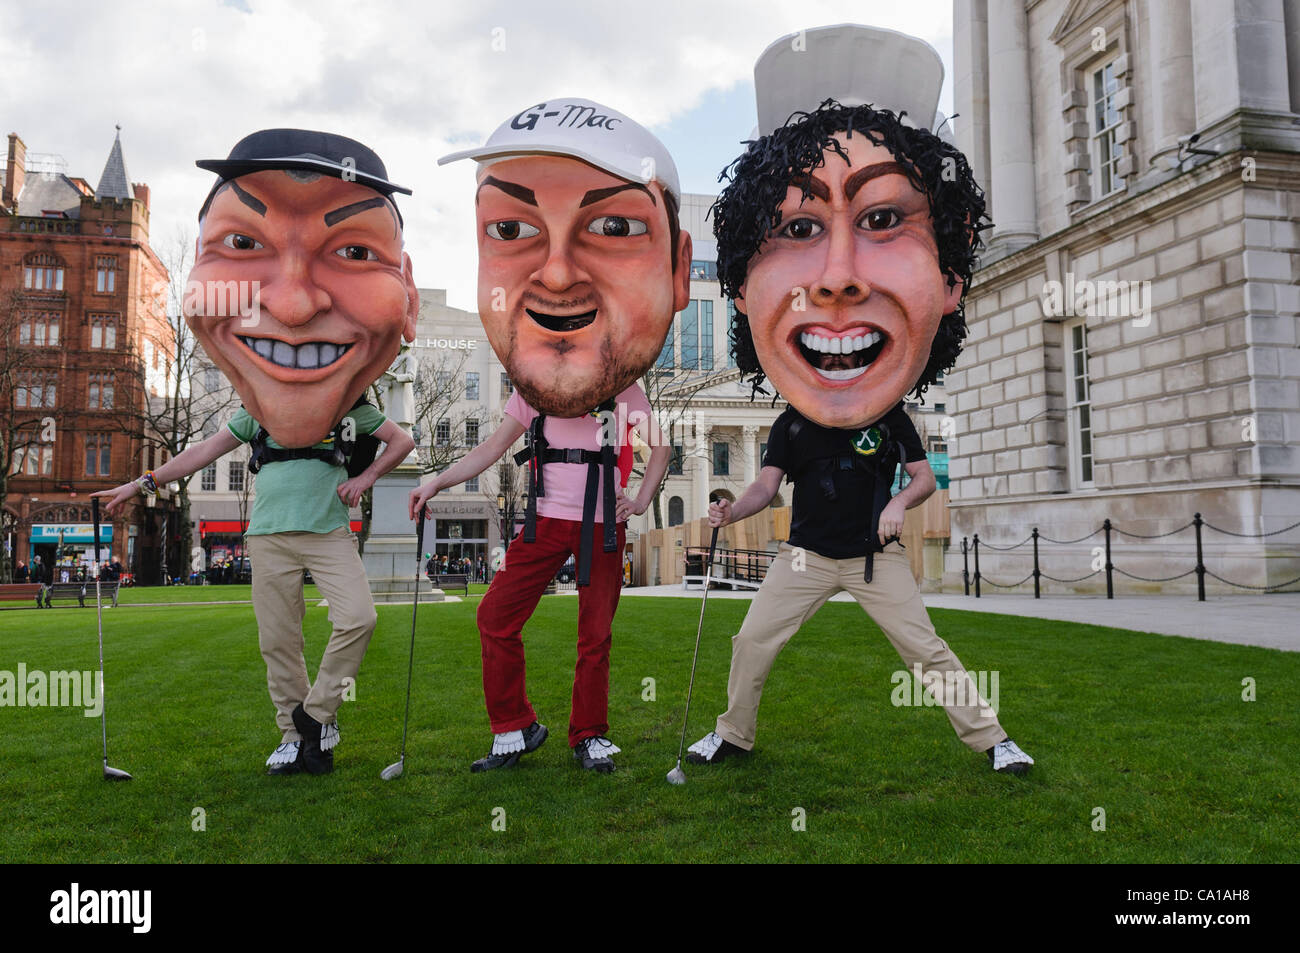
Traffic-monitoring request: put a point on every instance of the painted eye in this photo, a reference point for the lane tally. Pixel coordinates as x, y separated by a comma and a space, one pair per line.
357, 253
510, 231
241, 242
880, 219
801, 228
615, 226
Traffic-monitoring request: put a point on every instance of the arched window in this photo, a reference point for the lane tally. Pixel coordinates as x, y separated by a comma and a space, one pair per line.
676, 511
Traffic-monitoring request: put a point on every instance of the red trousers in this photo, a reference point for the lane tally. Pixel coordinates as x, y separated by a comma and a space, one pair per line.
509, 602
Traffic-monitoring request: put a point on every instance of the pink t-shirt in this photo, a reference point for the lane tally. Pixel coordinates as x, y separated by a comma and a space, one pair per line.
566, 483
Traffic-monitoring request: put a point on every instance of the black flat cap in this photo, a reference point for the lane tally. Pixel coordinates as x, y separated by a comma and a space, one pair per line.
309, 151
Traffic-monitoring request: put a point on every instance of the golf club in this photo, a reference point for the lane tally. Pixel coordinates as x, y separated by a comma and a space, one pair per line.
394, 770
110, 774
676, 775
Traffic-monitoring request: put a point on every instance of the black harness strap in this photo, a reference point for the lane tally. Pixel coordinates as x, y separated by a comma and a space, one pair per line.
601, 466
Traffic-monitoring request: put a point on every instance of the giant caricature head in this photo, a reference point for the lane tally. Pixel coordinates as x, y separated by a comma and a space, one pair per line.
846, 235
304, 225
582, 263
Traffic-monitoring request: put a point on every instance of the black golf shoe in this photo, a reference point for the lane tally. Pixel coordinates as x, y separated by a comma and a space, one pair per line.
711, 749
315, 759
285, 759
533, 736
594, 754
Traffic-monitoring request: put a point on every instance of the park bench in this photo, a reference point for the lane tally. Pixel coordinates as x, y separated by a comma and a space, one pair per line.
20, 591
444, 581
81, 591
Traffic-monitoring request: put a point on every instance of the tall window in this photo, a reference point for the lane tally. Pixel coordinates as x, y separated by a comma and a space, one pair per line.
208, 479
40, 329
101, 390
721, 459
235, 476
471, 485
676, 511
105, 274
471, 385
506, 387
442, 433
1105, 120
38, 460
471, 433
99, 454
103, 331
42, 273
35, 389
1079, 402
211, 379
665, 358
694, 326
675, 461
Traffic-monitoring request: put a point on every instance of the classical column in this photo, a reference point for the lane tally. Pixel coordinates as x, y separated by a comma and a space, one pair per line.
1173, 99
970, 56
703, 466
750, 434
1011, 138
1239, 58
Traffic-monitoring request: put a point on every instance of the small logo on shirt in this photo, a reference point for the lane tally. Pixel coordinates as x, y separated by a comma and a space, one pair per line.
867, 442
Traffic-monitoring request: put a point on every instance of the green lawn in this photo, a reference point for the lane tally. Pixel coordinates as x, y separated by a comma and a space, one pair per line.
1152, 729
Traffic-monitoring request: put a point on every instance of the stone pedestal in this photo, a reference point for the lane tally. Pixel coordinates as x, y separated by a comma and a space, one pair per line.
390, 558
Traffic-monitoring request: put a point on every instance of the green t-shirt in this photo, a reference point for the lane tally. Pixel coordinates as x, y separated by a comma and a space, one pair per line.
300, 496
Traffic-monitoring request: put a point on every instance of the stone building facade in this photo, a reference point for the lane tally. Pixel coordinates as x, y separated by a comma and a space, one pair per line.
1134, 323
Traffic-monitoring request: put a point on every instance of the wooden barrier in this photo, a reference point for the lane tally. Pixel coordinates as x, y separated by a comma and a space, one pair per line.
658, 555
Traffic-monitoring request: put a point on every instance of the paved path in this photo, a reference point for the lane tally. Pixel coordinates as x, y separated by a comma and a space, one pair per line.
1271, 621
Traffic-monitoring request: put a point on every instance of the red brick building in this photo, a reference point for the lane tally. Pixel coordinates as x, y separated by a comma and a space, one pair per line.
83, 308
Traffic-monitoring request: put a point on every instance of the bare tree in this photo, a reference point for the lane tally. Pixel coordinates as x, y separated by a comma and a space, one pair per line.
178, 406
441, 432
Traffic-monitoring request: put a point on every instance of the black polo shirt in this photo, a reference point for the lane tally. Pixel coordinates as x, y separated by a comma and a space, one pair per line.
835, 528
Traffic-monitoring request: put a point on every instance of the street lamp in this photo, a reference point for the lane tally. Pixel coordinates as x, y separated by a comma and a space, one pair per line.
501, 509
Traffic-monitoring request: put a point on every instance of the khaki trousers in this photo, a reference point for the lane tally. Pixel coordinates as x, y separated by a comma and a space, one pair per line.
789, 597
278, 561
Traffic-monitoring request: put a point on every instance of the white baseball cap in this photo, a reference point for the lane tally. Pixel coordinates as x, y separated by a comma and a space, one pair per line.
852, 64
584, 130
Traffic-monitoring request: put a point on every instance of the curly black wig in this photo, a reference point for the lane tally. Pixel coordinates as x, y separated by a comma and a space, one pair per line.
748, 209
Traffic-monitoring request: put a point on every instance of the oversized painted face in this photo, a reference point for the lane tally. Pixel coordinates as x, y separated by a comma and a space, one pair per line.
576, 285
335, 296
845, 296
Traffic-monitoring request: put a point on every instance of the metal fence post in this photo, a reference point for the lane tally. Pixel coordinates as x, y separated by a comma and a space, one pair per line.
977, 565
1200, 560
965, 569
1110, 585
1037, 592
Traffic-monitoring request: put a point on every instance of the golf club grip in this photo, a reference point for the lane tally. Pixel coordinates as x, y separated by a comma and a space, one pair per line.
713, 545
419, 537
94, 512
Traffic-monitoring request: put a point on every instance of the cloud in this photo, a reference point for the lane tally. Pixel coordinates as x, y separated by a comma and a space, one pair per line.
186, 80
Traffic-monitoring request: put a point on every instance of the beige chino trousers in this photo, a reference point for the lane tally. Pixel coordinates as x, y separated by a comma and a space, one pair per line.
788, 598
278, 562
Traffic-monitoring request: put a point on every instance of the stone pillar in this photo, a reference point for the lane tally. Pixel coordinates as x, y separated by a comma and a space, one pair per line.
703, 466
390, 557
1011, 140
1173, 100
1239, 58
750, 435
970, 56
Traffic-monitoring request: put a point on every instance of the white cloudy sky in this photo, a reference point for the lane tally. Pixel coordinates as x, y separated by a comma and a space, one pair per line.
187, 78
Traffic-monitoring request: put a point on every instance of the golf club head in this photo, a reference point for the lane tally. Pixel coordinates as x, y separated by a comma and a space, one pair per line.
677, 775
393, 770
113, 774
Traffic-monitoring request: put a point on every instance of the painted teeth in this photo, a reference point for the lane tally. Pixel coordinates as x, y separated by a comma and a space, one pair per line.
846, 374
307, 356
846, 344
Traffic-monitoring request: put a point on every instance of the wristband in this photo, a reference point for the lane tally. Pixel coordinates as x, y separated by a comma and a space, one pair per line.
147, 484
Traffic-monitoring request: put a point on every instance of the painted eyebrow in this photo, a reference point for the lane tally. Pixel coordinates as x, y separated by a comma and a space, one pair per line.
356, 208
599, 195
256, 204
511, 189
814, 185
860, 178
